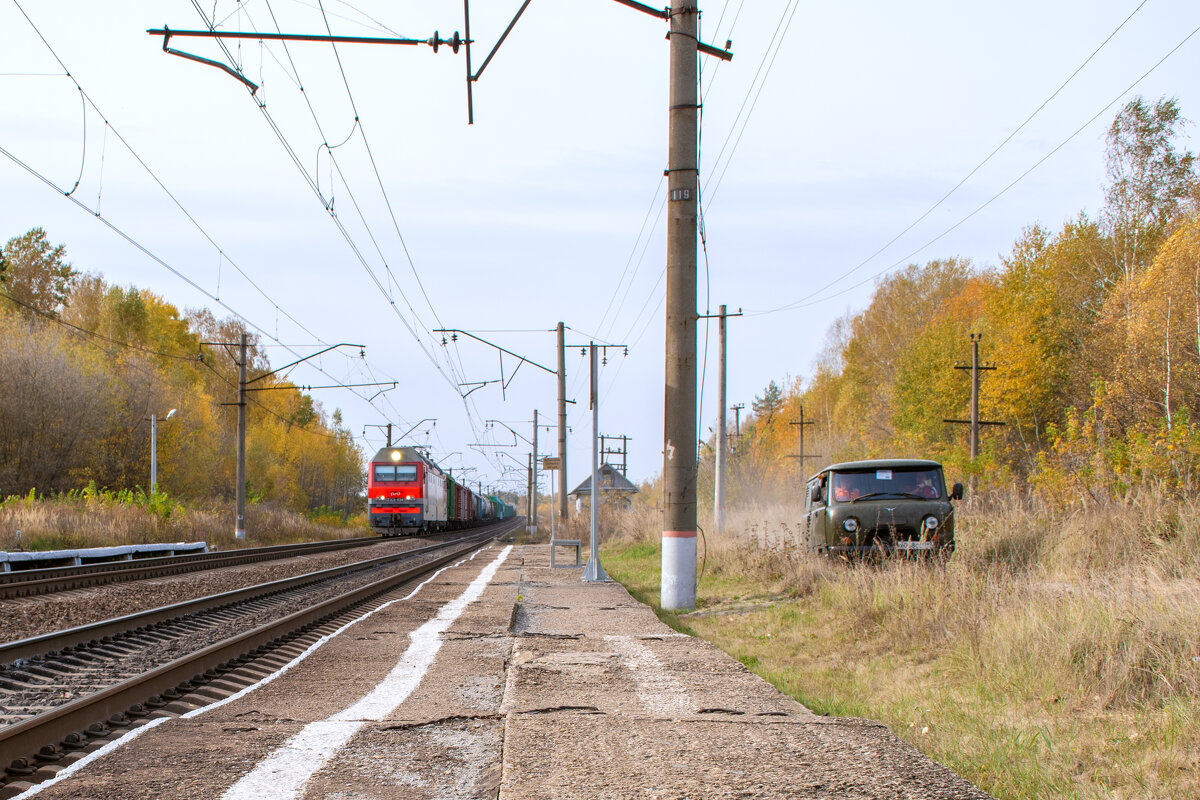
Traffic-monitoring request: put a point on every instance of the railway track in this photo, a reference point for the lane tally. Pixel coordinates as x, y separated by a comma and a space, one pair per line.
26, 583
66, 693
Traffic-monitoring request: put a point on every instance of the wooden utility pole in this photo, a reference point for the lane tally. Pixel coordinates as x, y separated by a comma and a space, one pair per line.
976, 367
800, 426
737, 425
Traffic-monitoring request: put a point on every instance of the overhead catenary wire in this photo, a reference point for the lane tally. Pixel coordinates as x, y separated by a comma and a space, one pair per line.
96, 213
153, 175
459, 372
358, 254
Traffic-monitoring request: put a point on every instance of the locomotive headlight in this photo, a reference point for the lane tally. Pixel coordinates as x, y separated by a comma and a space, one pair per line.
930, 522
395, 455
851, 524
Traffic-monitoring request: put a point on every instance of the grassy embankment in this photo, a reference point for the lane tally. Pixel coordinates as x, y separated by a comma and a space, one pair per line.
101, 518
1055, 656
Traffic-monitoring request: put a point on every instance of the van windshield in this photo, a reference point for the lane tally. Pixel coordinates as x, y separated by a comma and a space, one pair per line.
922, 483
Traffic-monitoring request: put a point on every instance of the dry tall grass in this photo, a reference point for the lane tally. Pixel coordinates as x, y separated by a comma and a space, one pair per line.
1054, 654
64, 523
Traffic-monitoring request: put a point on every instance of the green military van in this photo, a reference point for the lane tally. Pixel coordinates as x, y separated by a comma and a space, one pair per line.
899, 506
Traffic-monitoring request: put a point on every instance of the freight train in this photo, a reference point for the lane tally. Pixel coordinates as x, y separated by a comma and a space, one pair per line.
407, 492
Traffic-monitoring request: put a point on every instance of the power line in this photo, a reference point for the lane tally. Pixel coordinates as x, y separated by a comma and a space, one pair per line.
809, 300
629, 261
289, 423
146, 251
137, 157
93, 334
777, 42
970, 174
379, 178
97, 214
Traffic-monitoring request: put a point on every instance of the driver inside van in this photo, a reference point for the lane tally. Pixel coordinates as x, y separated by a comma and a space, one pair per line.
844, 490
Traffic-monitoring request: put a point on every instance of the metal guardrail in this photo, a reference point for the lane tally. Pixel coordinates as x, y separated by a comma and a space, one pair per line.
30, 559
25, 583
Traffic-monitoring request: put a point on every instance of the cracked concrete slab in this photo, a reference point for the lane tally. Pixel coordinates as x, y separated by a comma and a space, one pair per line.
542, 687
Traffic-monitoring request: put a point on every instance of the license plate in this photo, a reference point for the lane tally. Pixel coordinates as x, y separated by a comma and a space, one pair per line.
914, 545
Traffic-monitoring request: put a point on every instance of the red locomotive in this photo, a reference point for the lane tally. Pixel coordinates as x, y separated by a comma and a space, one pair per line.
407, 492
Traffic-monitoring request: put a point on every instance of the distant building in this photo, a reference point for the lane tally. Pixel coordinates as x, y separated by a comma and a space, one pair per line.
615, 489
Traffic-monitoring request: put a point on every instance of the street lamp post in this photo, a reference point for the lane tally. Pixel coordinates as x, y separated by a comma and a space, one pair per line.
154, 448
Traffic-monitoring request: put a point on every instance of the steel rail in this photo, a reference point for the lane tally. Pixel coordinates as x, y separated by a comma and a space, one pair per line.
27, 736
47, 642
46, 580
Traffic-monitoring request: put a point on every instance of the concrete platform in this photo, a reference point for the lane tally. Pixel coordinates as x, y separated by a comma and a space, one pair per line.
529, 685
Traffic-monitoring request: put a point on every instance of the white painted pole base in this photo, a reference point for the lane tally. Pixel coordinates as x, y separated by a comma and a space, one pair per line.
678, 570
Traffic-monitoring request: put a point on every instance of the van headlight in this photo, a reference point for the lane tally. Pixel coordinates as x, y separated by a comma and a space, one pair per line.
851, 524
930, 523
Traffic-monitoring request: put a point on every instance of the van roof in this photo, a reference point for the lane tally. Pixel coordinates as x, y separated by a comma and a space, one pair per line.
879, 463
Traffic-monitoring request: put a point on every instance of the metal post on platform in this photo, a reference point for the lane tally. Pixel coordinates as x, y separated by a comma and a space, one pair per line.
552, 515
594, 572
533, 480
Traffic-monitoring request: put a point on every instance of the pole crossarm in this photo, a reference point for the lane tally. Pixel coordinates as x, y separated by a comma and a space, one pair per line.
968, 422
414, 427
212, 63
476, 385
661, 13
306, 358
303, 388
524, 467
665, 13
435, 41
454, 334
500, 41
510, 430
719, 316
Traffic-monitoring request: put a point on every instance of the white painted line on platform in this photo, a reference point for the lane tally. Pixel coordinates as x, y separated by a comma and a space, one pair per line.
134, 733
283, 774
659, 692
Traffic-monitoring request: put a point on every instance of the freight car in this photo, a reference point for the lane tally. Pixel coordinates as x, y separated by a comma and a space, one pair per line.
407, 492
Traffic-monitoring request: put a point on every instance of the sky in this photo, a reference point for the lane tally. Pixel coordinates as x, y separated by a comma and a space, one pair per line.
348, 200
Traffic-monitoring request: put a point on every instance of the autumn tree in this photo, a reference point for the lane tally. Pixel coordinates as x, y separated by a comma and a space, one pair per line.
769, 403
34, 273
1148, 178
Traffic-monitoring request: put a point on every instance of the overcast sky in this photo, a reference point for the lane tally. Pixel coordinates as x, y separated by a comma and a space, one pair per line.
835, 128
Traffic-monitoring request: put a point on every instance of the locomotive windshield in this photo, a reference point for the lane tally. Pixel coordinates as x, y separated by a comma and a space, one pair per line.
920, 483
405, 473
